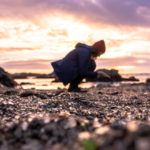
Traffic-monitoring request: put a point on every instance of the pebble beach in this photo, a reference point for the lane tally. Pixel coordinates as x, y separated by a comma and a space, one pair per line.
106, 117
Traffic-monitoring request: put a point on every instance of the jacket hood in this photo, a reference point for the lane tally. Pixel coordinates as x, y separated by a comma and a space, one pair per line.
82, 45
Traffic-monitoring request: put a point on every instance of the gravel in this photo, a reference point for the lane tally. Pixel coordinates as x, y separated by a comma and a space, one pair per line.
105, 118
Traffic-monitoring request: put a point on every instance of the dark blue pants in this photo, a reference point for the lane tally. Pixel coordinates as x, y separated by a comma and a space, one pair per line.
79, 78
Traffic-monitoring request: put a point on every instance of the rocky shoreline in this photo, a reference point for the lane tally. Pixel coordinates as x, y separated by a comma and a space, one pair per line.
114, 76
106, 117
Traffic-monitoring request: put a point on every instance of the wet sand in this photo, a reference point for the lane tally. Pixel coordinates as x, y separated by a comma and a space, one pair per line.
107, 117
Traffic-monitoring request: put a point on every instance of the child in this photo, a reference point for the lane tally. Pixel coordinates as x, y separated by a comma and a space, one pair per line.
79, 64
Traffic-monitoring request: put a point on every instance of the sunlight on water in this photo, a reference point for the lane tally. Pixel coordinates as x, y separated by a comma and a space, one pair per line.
46, 84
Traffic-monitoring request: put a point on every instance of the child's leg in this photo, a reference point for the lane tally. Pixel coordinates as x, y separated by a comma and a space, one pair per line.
74, 84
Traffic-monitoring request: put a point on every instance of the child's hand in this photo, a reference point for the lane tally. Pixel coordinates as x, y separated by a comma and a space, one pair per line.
101, 74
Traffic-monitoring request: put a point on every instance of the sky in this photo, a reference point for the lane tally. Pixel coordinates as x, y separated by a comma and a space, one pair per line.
34, 33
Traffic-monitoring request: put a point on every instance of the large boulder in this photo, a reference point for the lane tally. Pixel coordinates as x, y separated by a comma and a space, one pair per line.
114, 76
113, 73
6, 79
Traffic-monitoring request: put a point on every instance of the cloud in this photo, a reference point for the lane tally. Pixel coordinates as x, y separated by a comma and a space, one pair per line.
3, 35
56, 32
10, 49
125, 64
27, 65
99, 11
139, 65
124, 61
142, 55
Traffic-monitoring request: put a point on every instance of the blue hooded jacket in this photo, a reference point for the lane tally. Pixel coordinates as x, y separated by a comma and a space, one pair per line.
75, 63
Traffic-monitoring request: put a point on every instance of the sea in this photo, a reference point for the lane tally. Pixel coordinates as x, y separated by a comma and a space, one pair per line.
48, 84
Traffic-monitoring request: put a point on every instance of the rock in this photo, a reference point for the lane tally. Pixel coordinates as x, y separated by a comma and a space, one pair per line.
115, 76
132, 78
20, 76
35, 75
71, 123
6, 79
36, 124
115, 93
7, 109
51, 105
148, 81
11, 92
142, 144
144, 130
42, 95
118, 126
32, 145
2, 88
33, 93
27, 93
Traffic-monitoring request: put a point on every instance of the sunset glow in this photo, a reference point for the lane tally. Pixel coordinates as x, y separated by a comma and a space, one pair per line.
32, 37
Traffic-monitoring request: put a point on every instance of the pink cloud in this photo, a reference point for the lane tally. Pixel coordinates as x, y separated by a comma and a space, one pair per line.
112, 12
101, 63
28, 64
10, 49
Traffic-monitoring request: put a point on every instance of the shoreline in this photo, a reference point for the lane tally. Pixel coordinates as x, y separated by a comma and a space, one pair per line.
47, 84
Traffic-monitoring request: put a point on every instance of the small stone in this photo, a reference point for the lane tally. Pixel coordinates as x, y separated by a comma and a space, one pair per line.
142, 144
102, 130
27, 93
114, 93
132, 126
71, 123
11, 92
84, 135
64, 114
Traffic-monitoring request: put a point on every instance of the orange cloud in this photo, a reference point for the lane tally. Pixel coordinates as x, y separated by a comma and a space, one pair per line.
28, 65
8, 49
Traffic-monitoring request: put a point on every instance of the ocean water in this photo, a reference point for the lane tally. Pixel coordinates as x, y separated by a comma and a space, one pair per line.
141, 76
45, 84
